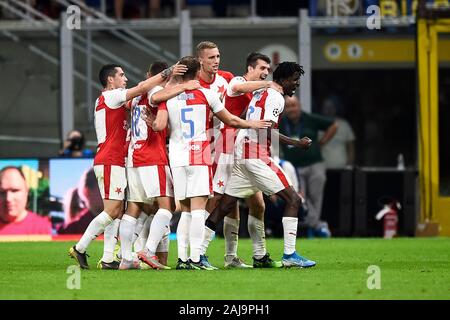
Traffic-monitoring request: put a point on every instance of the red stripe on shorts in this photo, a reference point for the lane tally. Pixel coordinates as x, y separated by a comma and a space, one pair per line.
210, 180
214, 167
107, 179
279, 173
162, 180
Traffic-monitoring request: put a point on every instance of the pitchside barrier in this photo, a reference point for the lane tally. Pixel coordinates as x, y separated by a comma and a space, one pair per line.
372, 186
352, 196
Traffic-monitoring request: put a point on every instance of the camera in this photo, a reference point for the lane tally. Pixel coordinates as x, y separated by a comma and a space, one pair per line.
76, 143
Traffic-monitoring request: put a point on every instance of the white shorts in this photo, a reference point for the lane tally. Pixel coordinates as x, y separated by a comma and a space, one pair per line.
112, 181
147, 183
222, 172
192, 181
251, 175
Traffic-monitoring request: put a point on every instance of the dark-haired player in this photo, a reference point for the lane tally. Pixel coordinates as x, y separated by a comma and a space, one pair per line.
109, 162
255, 170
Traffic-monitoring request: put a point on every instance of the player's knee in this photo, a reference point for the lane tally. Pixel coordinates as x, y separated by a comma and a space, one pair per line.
294, 201
258, 208
226, 206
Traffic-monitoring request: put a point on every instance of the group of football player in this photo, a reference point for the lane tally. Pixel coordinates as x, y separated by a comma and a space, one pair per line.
220, 129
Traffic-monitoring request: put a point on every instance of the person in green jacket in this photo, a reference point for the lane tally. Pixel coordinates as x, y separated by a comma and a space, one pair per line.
309, 163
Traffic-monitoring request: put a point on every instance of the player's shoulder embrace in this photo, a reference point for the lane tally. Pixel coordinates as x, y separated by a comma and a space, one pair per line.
275, 97
275, 94
226, 75
237, 79
113, 91
208, 91
115, 98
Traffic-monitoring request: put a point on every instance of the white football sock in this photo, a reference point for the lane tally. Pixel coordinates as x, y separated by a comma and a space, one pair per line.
159, 226
290, 234
140, 242
95, 228
196, 234
126, 231
209, 235
258, 235
231, 234
164, 244
139, 226
110, 239
183, 235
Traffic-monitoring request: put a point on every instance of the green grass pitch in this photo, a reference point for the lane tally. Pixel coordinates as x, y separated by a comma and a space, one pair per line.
410, 268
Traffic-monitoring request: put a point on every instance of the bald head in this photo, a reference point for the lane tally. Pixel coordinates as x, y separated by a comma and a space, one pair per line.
292, 108
329, 108
13, 195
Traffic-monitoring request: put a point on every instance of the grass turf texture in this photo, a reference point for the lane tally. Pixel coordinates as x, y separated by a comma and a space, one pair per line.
411, 268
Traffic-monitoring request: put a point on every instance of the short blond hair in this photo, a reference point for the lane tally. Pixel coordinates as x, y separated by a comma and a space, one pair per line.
205, 45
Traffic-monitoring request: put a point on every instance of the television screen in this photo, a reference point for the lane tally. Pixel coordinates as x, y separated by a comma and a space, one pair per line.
74, 186
24, 198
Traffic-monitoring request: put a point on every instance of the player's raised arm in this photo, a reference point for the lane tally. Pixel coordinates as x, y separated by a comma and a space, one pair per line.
226, 117
250, 86
168, 93
146, 85
236, 122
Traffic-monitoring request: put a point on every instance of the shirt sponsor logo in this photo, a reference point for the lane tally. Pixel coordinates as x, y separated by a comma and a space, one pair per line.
186, 96
194, 147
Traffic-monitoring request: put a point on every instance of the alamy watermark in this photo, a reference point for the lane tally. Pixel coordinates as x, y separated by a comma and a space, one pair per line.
74, 279
73, 17
374, 19
374, 279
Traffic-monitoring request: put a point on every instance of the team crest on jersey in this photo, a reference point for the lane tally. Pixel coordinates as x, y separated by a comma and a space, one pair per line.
257, 94
276, 112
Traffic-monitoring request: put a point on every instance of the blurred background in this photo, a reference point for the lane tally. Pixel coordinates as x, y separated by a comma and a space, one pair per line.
382, 66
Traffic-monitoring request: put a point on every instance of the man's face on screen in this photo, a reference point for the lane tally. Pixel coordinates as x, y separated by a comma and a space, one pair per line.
13, 195
94, 198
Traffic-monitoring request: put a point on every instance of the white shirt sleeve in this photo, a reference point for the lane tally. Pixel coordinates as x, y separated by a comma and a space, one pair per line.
151, 93
345, 127
213, 99
274, 105
235, 80
114, 99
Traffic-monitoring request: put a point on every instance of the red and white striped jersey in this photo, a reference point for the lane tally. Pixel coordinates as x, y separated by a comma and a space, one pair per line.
147, 147
110, 119
188, 118
235, 103
219, 84
266, 104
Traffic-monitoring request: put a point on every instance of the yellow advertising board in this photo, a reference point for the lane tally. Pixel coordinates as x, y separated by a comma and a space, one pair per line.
378, 50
